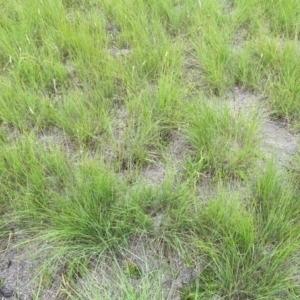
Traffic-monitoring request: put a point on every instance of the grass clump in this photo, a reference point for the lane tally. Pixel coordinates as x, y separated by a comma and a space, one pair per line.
294, 169
211, 41
83, 205
148, 119
243, 259
276, 203
100, 216
227, 141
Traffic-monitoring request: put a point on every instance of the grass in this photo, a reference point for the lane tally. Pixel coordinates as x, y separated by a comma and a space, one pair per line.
226, 140
96, 94
247, 250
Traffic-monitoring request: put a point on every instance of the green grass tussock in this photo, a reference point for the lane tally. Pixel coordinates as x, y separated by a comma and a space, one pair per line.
228, 141
243, 259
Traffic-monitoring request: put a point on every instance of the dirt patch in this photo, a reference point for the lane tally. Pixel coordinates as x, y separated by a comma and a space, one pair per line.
113, 31
239, 40
173, 158
278, 142
240, 99
9, 133
177, 148
56, 137
115, 52
154, 174
19, 272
